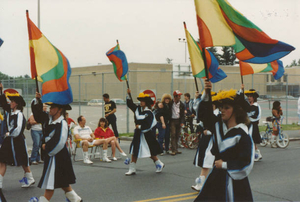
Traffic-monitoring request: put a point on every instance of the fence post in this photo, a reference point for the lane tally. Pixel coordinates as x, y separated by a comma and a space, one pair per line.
102, 94
286, 99
127, 109
172, 82
252, 81
79, 96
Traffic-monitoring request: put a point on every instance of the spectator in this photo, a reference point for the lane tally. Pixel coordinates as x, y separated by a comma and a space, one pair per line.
167, 112
188, 111
86, 135
110, 109
69, 120
104, 132
277, 113
299, 110
177, 121
36, 135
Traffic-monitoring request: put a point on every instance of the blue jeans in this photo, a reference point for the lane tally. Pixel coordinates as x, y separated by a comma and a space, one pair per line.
163, 134
37, 141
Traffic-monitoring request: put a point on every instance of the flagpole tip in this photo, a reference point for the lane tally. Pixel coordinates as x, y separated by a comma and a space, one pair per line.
184, 24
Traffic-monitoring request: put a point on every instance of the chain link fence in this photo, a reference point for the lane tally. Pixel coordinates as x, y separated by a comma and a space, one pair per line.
86, 87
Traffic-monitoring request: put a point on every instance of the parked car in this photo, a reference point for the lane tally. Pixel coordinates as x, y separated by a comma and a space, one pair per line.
95, 102
289, 97
118, 101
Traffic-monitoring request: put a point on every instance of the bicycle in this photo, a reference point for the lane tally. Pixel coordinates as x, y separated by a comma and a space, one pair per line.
189, 140
282, 139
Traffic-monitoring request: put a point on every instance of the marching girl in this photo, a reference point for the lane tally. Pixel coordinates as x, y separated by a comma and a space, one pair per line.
254, 115
233, 149
203, 157
58, 170
144, 143
14, 150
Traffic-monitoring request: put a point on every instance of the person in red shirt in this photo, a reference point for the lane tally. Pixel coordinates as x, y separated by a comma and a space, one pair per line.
104, 132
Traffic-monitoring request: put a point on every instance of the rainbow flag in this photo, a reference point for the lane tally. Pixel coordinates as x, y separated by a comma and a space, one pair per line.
221, 25
276, 67
198, 68
1, 42
50, 66
119, 61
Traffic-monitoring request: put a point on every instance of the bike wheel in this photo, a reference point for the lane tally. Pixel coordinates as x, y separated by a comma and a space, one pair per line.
183, 140
282, 140
264, 138
193, 140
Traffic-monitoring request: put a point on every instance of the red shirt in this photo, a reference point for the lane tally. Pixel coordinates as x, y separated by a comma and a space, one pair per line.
103, 133
69, 120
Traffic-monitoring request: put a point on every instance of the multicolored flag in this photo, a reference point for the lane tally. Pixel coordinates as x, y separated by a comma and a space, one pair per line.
119, 61
221, 25
198, 68
50, 66
276, 67
1, 42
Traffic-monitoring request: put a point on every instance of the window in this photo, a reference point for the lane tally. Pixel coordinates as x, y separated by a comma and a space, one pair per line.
285, 78
267, 78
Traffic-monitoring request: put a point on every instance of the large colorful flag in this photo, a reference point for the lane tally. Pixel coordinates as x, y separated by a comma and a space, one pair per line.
198, 68
1, 42
276, 67
119, 61
50, 66
221, 25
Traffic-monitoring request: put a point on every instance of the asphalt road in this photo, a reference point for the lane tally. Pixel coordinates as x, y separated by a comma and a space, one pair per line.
275, 178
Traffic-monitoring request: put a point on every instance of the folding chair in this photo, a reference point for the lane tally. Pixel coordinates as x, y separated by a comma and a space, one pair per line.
76, 145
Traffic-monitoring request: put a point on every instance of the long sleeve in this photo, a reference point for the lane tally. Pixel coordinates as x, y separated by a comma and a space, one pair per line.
19, 126
130, 104
255, 113
37, 109
3, 103
57, 140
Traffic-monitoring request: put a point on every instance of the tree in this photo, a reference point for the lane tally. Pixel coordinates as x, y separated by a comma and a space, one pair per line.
214, 51
169, 60
293, 63
228, 57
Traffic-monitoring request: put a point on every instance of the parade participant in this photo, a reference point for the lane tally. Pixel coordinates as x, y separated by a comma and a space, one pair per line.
188, 110
13, 151
87, 138
177, 121
144, 144
167, 113
276, 113
233, 148
58, 170
254, 115
110, 109
104, 132
203, 157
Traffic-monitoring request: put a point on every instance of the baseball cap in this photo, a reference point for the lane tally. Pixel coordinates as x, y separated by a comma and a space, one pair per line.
177, 92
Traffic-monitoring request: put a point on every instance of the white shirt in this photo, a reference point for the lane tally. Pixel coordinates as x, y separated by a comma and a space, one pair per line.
37, 126
176, 110
84, 132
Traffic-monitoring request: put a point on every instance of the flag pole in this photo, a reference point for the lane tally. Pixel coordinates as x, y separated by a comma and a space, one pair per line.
195, 79
210, 112
37, 84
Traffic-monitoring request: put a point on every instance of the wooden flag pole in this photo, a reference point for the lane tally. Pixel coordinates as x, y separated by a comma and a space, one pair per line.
37, 84
196, 84
128, 88
210, 112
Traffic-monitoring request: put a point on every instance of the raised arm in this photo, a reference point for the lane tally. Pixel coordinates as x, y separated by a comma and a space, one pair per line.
37, 109
130, 103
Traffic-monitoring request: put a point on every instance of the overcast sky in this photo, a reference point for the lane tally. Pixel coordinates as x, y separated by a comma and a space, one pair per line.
147, 30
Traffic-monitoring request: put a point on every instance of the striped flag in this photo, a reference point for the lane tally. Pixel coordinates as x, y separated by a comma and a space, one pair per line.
221, 25
50, 66
119, 61
198, 68
276, 67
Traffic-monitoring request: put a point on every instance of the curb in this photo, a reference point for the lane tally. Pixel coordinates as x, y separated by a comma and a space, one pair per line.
126, 138
295, 139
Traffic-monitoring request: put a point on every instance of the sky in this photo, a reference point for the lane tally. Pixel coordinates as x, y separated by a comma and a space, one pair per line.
147, 30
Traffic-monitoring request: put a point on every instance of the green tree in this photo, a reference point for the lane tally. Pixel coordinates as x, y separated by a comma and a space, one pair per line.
228, 57
293, 63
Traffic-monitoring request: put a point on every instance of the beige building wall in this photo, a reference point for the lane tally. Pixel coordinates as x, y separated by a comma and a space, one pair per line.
96, 80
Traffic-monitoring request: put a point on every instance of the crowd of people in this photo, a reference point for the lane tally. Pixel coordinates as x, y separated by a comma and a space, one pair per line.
227, 123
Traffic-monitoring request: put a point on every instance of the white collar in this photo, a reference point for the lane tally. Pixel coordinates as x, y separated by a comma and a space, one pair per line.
255, 104
146, 109
240, 125
15, 112
57, 120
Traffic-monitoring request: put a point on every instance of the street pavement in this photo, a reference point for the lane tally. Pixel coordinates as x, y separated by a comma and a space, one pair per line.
275, 178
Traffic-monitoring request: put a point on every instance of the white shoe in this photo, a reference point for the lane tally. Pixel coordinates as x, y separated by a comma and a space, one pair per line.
42, 199
114, 159
72, 196
159, 166
123, 154
27, 180
105, 159
87, 161
199, 183
132, 169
